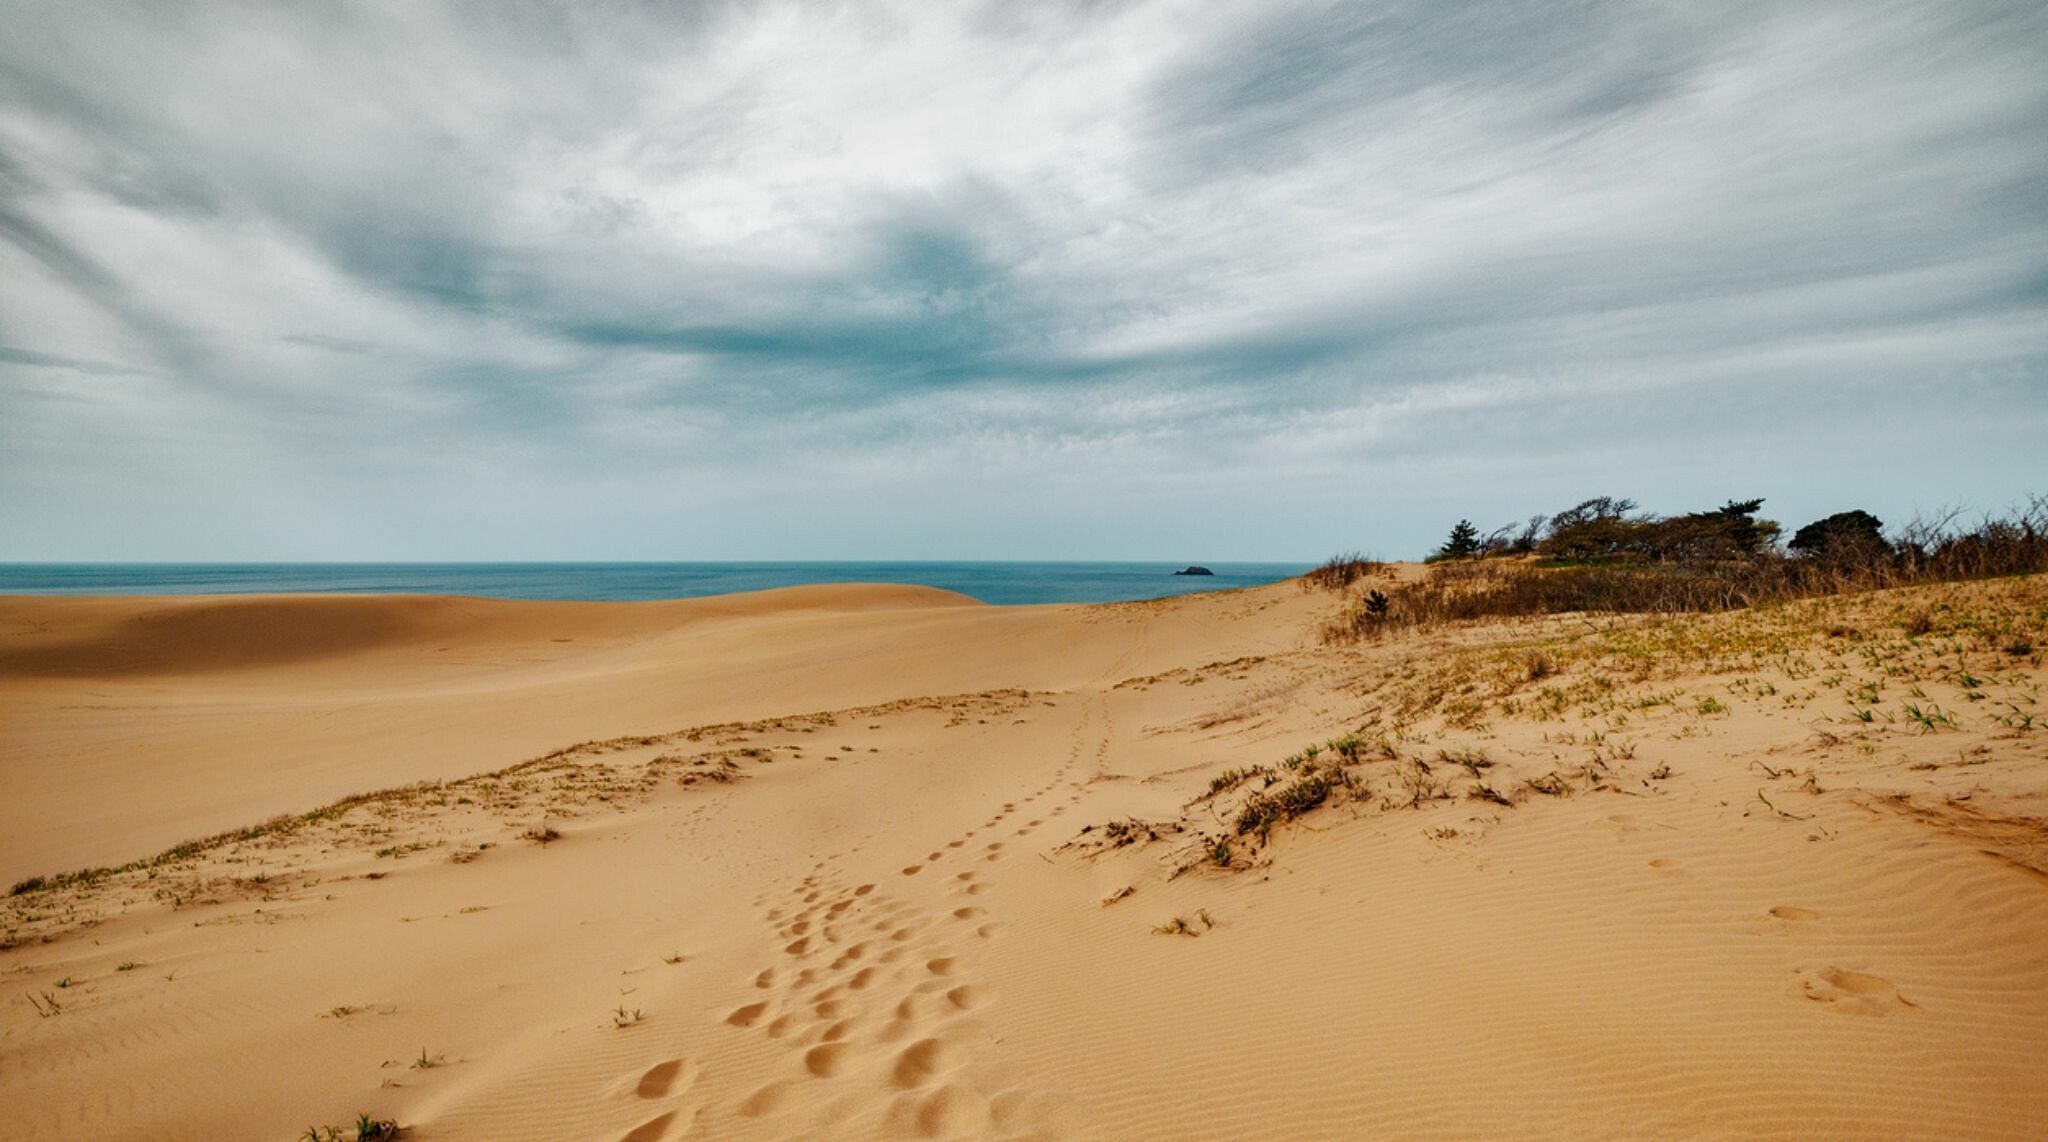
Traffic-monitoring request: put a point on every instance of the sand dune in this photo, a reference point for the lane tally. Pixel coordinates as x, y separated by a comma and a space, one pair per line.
880, 862
206, 714
118, 637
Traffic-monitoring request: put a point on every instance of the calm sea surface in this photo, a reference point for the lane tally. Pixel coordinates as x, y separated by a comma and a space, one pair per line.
989, 582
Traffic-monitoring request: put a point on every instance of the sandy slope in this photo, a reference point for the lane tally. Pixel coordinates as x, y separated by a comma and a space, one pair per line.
834, 863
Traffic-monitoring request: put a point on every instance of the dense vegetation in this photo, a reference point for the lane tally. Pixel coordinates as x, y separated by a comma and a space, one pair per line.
1602, 555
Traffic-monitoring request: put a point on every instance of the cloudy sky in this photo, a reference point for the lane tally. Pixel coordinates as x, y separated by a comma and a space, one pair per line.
1111, 280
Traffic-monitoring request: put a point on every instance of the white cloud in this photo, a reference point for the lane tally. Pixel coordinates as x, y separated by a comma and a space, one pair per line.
957, 281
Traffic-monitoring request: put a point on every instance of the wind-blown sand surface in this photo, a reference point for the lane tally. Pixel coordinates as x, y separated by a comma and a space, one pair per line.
884, 862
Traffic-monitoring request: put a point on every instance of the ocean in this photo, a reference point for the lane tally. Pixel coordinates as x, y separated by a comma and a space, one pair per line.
1000, 583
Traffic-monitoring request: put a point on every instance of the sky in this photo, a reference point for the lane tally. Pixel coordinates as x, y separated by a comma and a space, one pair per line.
1151, 280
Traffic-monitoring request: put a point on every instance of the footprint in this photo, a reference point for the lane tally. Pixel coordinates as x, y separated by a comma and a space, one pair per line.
766, 978
798, 947
780, 1026
950, 1111
764, 1101
659, 1080
863, 890
913, 870
1788, 912
964, 997
940, 966
861, 979
1005, 1107
748, 1016
826, 1060
651, 1129
917, 1063
1852, 990
968, 913
987, 930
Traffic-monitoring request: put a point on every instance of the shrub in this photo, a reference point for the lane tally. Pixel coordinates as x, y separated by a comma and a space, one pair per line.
1603, 561
1265, 810
1854, 535
1340, 571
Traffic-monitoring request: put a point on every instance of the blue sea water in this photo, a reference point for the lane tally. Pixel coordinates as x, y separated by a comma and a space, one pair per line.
1001, 583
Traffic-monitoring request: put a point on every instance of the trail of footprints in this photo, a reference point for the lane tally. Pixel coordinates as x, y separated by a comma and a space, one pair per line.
870, 988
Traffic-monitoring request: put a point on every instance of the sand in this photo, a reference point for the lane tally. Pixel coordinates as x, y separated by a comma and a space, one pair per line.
868, 862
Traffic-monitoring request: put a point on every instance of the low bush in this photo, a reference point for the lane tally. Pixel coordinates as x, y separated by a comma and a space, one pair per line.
1340, 571
1605, 562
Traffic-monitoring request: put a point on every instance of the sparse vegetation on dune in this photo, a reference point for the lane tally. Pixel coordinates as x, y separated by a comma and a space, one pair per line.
564, 783
1598, 558
1934, 659
367, 1129
1340, 571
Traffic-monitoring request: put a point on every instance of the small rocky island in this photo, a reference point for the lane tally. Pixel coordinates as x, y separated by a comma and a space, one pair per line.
1195, 569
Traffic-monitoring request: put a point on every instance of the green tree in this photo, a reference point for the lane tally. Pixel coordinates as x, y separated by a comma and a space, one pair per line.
1463, 543
1850, 534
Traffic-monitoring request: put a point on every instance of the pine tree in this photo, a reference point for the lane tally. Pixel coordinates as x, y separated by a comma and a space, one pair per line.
1464, 542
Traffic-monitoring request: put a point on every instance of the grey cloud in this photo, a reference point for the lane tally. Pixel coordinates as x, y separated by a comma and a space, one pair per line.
1295, 246
14, 356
